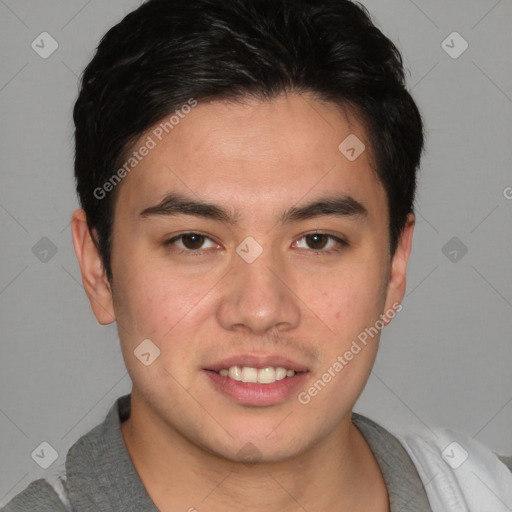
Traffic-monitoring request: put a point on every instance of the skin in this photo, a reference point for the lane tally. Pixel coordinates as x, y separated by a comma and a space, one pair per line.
254, 158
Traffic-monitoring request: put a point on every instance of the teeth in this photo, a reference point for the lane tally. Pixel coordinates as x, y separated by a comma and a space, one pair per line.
235, 373
249, 374
266, 375
280, 373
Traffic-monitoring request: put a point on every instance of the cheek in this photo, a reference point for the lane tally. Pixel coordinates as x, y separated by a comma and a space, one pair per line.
157, 308
174, 311
161, 309
350, 308
152, 300
347, 300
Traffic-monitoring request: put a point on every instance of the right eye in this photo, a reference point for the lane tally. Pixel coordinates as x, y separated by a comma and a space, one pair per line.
190, 242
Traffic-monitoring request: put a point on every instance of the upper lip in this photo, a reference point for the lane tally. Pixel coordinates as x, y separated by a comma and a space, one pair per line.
257, 361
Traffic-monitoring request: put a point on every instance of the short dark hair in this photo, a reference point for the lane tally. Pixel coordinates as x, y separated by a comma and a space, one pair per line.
168, 51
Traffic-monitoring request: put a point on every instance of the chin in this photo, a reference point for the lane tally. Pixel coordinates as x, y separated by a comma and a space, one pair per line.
266, 442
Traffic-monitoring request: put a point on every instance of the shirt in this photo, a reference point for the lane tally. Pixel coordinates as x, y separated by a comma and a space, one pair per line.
100, 475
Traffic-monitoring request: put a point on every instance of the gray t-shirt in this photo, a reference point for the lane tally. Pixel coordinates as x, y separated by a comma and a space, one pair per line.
100, 475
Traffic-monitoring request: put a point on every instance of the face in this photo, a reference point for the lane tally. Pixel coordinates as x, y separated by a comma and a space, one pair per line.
271, 253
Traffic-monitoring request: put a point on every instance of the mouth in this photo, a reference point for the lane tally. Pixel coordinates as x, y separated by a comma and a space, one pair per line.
250, 374
257, 381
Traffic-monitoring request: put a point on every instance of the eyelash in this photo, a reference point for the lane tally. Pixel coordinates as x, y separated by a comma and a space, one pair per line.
200, 252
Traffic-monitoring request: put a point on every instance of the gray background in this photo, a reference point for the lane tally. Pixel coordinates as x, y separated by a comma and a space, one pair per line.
445, 360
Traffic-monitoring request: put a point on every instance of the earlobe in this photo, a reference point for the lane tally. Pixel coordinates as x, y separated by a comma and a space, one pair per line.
398, 273
94, 277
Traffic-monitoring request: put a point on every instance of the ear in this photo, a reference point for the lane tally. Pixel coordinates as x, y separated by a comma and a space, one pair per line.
397, 279
94, 277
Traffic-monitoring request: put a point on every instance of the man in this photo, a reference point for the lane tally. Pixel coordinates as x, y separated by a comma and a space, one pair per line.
246, 172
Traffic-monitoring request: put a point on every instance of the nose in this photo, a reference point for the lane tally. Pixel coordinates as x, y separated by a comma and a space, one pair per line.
258, 297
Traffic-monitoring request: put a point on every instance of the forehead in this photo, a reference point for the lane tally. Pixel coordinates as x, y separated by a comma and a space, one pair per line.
255, 156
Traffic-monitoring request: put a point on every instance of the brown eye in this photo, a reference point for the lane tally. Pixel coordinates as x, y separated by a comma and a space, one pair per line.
317, 240
321, 242
192, 240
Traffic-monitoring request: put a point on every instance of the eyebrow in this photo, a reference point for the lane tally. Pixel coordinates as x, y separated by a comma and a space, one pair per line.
176, 204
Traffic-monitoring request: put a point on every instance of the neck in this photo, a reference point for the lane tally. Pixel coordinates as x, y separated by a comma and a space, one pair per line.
339, 472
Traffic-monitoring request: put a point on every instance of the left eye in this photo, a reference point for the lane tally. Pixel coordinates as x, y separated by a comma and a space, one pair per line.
321, 241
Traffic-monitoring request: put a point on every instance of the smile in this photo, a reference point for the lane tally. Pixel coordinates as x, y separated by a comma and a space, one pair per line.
267, 375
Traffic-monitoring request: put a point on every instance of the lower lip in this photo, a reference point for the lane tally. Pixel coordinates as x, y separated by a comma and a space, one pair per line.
253, 393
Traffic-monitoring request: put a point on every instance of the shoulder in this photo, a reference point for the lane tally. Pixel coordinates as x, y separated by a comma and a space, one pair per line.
459, 469
455, 469
39, 496
506, 460
90, 458
454, 448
